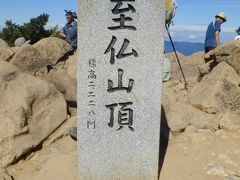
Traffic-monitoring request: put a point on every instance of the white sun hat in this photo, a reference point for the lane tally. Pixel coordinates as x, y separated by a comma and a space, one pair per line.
222, 15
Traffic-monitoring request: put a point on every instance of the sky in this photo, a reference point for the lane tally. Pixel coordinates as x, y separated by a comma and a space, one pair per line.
190, 22
193, 16
20, 11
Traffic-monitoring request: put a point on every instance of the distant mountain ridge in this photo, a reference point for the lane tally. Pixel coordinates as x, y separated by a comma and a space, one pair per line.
186, 48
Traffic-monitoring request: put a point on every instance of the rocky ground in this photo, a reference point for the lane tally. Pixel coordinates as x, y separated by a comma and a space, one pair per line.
200, 126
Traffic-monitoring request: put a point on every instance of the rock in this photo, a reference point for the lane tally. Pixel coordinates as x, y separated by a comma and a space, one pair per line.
5, 51
29, 60
231, 178
30, 110
64, 83
197, 58
228, 52
3, 43
71, 66
172, 56
4, 175
189, 65
180, 115
230, 122
225, 159
62, 131
216, 170
177, 123
15, 49
20, 41
53, 49
218, 91
56, 161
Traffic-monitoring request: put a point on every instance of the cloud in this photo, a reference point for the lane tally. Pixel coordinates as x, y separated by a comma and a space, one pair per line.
173, 34
195, 37
200, 28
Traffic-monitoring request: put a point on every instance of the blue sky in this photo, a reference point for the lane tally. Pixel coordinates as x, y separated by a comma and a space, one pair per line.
193, 16
21, 11
190, 22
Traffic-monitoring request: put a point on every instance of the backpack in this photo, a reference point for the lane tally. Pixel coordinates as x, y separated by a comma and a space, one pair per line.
171, 6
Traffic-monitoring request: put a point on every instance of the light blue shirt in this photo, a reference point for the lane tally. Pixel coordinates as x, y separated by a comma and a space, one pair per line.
70, 30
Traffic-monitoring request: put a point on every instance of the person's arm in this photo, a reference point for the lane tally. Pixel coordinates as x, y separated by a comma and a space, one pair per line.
62, 35
217, 32
217, 38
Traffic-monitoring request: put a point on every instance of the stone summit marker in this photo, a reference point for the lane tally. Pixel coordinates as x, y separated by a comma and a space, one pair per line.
119, 88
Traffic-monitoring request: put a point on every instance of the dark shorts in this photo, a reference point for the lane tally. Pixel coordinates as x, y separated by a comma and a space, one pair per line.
207, 49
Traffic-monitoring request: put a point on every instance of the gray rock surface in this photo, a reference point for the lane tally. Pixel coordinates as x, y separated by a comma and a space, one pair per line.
112, 149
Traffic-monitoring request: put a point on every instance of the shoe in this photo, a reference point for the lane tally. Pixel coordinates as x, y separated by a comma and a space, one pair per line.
73, 133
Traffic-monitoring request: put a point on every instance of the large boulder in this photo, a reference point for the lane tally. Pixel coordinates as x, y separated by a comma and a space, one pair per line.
179, 114
3, 43
64, 83
5, 51
218, 92
29, 60
189, 65
30, 110
15, 49
71, 66
53, 49
228, 52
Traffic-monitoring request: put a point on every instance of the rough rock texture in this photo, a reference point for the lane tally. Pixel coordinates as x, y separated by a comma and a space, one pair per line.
30, 60
229, 52
15, 49
71, 66
56, 160
202, 155
218, 91
3, 43
30, 110
230, 122
189, 64
180, 114
5, 51
53, 49
4, 175
64, 83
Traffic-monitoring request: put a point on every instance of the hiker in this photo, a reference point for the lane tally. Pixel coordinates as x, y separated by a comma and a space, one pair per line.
69, 32
213, 32
238, 34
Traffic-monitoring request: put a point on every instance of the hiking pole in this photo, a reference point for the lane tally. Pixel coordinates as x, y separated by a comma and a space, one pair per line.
174, 49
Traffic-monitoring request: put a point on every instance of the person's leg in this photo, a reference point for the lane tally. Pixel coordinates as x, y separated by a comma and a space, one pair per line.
207, 49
